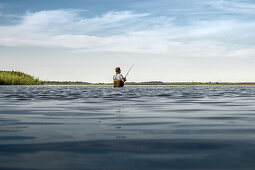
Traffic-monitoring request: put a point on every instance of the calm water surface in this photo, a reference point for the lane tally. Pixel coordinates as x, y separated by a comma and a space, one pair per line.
135, 127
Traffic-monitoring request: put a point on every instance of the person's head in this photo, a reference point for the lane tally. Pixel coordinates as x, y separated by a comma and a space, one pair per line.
117, 70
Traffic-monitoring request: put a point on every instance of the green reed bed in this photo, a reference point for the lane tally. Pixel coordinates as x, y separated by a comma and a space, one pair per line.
17, 78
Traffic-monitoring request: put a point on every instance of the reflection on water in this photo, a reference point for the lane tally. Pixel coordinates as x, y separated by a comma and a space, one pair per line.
135, 127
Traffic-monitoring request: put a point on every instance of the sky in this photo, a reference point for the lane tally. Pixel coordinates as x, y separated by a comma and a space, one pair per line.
167, 40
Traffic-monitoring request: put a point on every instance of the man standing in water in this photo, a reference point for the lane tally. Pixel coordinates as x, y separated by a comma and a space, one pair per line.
118, 79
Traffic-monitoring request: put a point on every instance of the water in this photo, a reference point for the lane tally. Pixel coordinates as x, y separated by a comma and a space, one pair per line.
135, 127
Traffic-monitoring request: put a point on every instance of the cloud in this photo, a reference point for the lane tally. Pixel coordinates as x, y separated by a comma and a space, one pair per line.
71, 22
234, 6
128, 31
64, 28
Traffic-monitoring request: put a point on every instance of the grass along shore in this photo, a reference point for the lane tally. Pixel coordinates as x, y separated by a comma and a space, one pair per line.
18, 78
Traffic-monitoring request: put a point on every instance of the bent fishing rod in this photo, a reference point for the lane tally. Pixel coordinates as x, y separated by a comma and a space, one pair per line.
129, 70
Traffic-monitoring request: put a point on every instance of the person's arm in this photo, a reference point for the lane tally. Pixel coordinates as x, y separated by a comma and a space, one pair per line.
123, 79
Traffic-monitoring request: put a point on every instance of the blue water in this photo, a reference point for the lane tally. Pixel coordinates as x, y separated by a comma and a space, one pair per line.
135, 127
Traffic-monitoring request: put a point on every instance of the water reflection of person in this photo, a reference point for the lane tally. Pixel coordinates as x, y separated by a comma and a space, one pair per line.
118, 78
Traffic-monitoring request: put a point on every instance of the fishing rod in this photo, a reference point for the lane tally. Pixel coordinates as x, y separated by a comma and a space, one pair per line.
129, 70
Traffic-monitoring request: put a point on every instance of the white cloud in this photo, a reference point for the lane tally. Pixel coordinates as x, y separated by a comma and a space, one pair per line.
70, 21
234, 7
129, 32
115, 16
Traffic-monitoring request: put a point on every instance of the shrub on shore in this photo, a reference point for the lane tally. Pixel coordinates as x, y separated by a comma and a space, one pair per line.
17, 78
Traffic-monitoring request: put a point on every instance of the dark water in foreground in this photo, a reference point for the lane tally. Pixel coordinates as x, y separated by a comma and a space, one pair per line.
136, 127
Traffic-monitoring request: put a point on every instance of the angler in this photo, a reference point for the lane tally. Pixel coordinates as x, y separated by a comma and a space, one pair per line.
118, 79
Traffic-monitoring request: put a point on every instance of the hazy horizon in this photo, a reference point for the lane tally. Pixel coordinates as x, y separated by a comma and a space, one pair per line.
169, 41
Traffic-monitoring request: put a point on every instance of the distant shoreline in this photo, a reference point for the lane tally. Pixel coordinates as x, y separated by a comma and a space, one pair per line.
148, 83
20, 78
